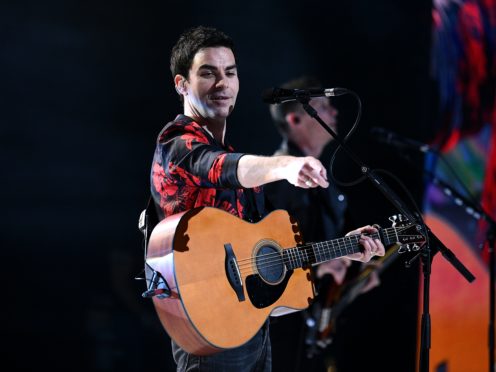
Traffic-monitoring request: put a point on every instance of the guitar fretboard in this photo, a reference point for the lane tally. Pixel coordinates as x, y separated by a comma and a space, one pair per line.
315, 253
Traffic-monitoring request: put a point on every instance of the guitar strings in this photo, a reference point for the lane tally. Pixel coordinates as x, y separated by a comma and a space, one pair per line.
388, 233
273, 259
303, 247
322, 245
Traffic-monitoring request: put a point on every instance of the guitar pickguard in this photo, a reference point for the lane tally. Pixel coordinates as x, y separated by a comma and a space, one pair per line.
262, 294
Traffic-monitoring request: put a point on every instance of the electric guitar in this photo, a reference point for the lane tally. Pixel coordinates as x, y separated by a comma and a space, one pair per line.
215, 278
335, 298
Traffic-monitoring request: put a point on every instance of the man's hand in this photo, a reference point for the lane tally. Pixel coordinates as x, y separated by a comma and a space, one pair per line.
337, 268
371, 247
306, 172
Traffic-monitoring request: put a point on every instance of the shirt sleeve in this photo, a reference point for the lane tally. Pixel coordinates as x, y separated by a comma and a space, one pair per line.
189, 157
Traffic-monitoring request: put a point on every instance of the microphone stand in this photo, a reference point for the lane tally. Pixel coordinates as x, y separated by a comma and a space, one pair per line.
475, 210
426, 253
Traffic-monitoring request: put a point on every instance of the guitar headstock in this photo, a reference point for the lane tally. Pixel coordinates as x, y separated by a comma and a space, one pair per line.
405, 233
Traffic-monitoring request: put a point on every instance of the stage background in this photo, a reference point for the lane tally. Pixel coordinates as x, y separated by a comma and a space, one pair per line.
86, 89
463, 67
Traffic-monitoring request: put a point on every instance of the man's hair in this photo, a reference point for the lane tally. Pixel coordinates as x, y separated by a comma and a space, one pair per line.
190, 42
279, 111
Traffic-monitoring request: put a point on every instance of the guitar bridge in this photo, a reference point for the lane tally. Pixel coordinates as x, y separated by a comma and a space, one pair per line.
233, 274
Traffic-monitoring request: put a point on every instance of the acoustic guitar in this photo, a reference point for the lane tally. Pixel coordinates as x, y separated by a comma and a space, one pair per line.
215, 278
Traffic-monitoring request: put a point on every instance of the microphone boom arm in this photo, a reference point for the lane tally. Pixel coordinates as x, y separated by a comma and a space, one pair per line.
370, 174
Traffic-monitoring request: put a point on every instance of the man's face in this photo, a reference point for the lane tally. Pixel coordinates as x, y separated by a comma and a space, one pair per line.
308, 131
326, 111
212, 86
309, 126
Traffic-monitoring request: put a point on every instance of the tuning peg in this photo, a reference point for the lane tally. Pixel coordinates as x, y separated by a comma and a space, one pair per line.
393, 219
415, 247
397, 219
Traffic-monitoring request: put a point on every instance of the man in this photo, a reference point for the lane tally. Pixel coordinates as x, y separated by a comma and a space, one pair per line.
194, 166
320, 212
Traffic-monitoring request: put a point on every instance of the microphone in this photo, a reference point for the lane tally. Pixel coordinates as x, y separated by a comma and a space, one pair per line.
390, 138
280, 95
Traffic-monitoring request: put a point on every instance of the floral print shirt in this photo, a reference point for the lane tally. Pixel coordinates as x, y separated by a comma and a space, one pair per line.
191, 169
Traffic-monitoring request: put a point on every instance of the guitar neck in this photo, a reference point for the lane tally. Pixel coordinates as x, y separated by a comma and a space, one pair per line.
316, 253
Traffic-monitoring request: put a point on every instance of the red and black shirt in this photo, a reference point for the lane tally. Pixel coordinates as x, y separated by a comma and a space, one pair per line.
191, 169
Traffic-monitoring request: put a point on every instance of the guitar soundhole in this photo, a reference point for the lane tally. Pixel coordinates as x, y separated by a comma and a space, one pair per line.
269, 263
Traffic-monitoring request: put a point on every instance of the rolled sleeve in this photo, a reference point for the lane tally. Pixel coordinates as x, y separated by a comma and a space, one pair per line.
224, 170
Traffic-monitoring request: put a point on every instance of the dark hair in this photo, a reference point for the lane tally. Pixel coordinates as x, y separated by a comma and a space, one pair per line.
279, 111
190, 42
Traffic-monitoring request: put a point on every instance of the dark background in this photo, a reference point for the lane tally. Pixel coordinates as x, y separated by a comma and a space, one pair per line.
86, 88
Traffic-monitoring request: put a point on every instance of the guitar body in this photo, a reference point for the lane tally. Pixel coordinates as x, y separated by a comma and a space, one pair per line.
202, 253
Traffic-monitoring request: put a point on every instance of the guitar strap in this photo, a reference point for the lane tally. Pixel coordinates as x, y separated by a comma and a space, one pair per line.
155, 283
147, 221
254, 214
